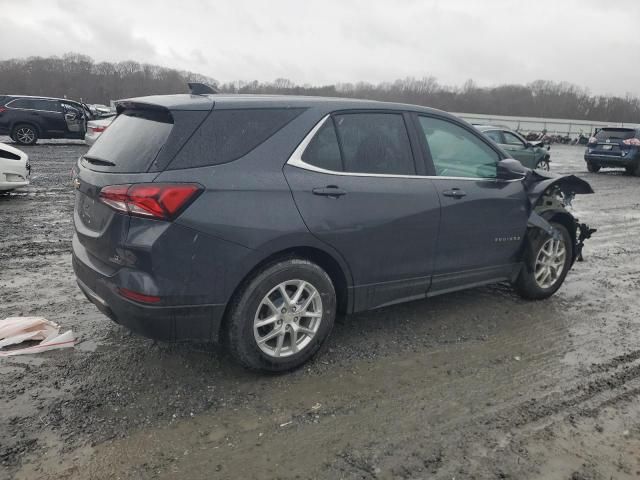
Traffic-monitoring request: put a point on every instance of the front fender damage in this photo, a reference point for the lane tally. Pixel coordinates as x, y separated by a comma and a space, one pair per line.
550, 195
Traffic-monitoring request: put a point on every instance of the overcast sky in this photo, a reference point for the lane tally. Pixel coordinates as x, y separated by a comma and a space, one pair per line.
592, 43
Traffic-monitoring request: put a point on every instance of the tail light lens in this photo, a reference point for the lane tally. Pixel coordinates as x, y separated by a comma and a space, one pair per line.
593, 141
97, 129
2, 109
632, 142
160, 201
138, 297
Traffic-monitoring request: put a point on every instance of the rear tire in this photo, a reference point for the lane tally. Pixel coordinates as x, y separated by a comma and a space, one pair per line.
593, 168
267, 332
545, 266
25, 134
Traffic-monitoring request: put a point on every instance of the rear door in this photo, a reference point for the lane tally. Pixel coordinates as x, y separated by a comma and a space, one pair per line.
484, 219
50, 115
356, 184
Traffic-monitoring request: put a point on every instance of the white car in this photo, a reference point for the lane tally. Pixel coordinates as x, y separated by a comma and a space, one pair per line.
95, 129
14, 168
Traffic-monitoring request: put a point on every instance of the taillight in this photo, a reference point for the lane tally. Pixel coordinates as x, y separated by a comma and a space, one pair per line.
593, 141
138, 297
632, 142
160, 201
97, 129
2, 109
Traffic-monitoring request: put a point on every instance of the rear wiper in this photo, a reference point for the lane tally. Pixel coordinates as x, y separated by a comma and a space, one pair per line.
98, 161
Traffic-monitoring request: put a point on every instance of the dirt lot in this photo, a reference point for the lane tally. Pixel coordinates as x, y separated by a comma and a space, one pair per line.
478, 384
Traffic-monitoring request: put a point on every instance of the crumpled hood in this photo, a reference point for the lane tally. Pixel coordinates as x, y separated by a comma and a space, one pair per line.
538, 181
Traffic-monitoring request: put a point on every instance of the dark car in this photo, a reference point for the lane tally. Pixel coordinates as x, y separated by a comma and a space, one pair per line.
252, 220
614, 147
532, 154
27, 119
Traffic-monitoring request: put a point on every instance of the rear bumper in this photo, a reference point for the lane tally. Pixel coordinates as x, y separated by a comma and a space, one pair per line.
612, 160
167, 323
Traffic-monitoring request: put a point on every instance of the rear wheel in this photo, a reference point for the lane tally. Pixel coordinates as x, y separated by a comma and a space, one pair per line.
25, 134
282, 316
592, 167
546, 263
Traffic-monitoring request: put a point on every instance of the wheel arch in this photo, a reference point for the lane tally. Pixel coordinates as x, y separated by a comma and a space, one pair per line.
337, 271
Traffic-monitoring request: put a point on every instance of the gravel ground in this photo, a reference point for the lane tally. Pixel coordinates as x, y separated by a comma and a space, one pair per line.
476, 384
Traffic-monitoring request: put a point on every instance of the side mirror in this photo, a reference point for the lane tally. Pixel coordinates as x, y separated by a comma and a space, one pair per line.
528, 145
510, 169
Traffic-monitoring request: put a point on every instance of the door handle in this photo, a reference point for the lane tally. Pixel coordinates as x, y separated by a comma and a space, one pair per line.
329, 191
455, 193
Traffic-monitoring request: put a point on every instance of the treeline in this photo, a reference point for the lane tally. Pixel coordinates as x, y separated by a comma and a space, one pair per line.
79, 77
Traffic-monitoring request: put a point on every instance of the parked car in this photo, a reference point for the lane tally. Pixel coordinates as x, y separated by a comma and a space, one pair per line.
616, 148
95, 129
253, 220
27, 119
532, 154
14, 168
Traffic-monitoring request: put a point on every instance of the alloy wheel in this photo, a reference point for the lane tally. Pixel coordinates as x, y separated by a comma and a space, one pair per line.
288, 318
25, 135
550, 262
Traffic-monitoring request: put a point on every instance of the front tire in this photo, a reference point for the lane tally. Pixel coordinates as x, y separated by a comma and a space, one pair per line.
281, 316
25, 134
543, 164
593, 168
546, 263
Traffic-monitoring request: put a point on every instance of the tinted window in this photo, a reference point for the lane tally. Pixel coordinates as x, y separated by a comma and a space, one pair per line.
456, 152
46, 105
227, 135
615, 134
22, 103
131, 142
494, 135
511, 139
375, 143
323, 151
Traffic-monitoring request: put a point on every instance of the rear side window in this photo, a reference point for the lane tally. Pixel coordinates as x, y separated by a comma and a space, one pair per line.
323, 151
227, 135
615, 134
131, 142
22, 103
362, 143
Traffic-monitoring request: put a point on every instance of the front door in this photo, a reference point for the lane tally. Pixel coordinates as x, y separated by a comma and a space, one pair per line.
355, 182
73, 117
518, 149
484, 219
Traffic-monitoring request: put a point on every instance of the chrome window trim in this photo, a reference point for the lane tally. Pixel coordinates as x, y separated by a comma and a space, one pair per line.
8, 105
295, 160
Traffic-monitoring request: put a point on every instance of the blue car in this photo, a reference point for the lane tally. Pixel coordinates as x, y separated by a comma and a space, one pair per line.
252, 220
614, 148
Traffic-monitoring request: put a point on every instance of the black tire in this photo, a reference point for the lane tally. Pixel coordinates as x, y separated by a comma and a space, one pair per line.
543, 164
25, 134
593, 167
526, 284
239, 323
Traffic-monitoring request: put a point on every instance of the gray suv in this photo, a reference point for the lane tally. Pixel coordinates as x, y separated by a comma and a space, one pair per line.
253, 220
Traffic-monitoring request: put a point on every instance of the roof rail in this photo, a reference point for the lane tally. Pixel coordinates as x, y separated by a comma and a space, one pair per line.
201, 88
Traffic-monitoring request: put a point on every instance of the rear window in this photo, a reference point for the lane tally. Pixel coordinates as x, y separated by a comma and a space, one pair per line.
131, 143
615, 134
227, 135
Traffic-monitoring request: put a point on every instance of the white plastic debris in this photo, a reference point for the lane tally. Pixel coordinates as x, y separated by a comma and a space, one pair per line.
15, 330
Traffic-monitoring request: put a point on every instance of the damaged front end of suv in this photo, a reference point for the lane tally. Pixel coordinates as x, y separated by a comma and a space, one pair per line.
551, 196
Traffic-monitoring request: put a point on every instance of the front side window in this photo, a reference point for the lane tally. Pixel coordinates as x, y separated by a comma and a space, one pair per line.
494, 135
375, 143
511, 139
456, 152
